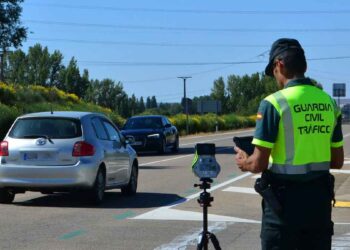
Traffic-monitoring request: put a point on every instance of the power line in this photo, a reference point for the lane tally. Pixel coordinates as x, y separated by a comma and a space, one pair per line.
101, 63
188, 29
168, 44
130, 43
173, 77
121, 63
194, 11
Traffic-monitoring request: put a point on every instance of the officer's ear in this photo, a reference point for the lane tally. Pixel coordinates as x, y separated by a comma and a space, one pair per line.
277, 65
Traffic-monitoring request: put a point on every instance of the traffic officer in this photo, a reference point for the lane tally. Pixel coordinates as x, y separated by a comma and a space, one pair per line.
297, 139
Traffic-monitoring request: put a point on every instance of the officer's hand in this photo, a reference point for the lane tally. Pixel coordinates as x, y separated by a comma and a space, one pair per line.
240, 158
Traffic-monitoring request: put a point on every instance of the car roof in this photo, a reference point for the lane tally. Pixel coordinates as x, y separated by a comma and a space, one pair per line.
66, 114
146, 116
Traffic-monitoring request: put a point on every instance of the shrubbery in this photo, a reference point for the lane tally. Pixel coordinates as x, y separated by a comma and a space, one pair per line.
16, 100
208, 122
7, 116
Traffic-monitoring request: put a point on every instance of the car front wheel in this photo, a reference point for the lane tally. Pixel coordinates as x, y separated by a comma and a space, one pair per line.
6, 197
162, 146
176, 145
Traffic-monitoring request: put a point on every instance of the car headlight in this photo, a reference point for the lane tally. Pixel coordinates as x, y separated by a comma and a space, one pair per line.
153, 136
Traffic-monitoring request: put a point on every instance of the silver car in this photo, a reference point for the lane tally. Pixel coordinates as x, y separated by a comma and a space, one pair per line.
66, 151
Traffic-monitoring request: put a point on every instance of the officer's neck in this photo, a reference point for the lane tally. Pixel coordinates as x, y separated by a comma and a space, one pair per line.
286, 79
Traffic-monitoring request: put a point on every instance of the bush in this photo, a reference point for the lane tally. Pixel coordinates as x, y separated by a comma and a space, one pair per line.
17, 100
7, 94
7, 117
208, 122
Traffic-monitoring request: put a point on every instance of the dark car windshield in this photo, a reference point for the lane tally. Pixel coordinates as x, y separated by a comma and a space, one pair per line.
143, 123
58, 128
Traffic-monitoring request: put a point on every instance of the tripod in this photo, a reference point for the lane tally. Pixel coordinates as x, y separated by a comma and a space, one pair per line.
204, 200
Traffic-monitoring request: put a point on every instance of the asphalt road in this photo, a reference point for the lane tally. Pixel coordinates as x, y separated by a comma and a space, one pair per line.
164, 214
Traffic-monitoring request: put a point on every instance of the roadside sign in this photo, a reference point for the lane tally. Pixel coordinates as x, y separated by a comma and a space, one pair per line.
339, 90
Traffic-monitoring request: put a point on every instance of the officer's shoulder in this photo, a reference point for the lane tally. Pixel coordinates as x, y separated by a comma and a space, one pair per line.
272, 97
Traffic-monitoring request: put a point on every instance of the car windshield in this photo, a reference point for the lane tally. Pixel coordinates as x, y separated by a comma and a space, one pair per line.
54, 128
143, 123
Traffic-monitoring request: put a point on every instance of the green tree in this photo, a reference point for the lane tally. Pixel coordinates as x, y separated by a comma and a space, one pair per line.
72, 77
12, 33
16, 71
91, 94
55, 67
153, 103
148, 102
38, 67
133, 105
141, 105
218, 93
84, 84
246, 92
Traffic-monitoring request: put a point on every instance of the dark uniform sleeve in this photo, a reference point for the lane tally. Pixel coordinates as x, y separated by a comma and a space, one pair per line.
337, 138
266, 125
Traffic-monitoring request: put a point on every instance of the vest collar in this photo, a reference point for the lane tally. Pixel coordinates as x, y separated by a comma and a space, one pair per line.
300, 81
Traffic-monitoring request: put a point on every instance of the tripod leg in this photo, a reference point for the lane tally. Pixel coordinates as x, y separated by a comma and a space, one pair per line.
215, 241
202, 241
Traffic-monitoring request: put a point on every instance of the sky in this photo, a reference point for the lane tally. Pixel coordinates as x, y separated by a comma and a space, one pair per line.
148, 44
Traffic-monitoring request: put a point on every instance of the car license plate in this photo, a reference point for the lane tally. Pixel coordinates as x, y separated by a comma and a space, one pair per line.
30, 156
137, 143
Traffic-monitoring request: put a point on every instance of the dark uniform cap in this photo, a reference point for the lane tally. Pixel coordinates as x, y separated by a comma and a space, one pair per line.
278, 47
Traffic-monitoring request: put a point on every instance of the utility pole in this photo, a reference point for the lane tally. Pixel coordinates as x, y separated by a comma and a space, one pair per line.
185, 99
2, 65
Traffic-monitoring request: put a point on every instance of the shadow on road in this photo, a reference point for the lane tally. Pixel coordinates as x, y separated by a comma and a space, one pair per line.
156, 167
113, 200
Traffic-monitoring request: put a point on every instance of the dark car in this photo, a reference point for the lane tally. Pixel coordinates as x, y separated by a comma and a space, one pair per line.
151, 132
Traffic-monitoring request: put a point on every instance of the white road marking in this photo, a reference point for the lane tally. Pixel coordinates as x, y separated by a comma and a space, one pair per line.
193, 143
216, 139
166, 213
341, 171
243, 190
256, 176
194, 196
175, 158
218, 134
346, 135
189, 239
341, 242
158, 213
169, 159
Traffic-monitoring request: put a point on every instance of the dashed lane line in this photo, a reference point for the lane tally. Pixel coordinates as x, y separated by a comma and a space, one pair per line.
218, 134
71, 235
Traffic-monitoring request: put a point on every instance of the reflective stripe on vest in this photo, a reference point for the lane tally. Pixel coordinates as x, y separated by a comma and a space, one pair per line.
299, 169
287, 126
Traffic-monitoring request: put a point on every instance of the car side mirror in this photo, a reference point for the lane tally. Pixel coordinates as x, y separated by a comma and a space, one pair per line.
117, 144
129, 139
